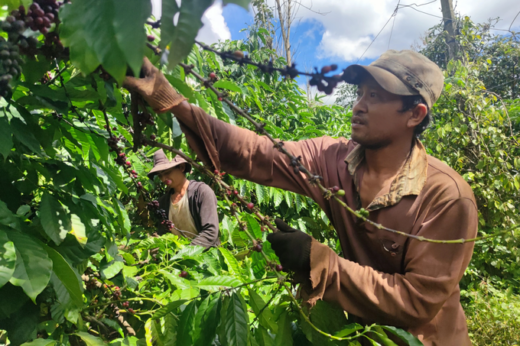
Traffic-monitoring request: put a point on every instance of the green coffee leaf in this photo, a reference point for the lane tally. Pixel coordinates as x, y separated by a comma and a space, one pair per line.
55, 219
207, 328
242, 3
30, 274
186, 325
90, 339
229, 85
165, 310
7, 258
6, 141
230, 260
284, 335
403, 335
186, 30
236, 321
214, 283
67, 276
351, 328
110, 33
40, 342
266, 319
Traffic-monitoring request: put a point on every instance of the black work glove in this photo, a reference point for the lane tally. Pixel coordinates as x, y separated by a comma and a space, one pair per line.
293, 247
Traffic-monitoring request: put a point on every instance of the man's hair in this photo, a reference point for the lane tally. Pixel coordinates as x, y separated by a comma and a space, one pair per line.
409, 103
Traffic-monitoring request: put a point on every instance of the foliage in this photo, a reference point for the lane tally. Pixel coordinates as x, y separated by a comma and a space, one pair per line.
493, 316
79, 261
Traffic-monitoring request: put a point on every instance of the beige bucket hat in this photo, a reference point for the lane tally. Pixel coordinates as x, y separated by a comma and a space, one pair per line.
161, 163
402, 72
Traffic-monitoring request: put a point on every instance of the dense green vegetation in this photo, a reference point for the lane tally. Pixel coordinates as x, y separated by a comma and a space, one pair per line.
79, 260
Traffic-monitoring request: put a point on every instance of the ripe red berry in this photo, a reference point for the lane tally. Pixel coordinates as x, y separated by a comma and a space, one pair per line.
257, 247
220, 98
153, 137
133, 171
126, 304
117, 288
139, 184
250, 206
183, 274
128, 163
235, 192
216, 171
150, 38
222, 174
279, 268
335, 189
121, 155
132, 311
212, 75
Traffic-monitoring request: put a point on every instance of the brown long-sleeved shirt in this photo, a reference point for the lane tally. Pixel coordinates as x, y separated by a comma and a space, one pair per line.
383, 277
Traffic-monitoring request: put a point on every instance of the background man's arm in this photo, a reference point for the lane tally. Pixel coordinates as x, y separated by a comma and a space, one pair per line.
208, 234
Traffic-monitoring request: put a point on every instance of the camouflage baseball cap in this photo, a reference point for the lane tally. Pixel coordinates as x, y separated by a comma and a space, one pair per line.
402, 72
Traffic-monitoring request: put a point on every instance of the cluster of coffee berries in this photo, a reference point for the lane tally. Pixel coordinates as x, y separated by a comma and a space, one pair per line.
331, 82
9, 65
117, 293
41, 14
153, 207
145, 119
336, 190
220, 174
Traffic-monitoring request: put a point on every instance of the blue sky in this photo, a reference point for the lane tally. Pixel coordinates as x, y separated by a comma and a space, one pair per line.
339, 31
306, 38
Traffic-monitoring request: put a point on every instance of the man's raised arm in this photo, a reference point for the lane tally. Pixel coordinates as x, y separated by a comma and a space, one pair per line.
226, 147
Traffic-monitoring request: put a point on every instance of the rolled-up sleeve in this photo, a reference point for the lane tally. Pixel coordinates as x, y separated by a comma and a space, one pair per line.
432, 272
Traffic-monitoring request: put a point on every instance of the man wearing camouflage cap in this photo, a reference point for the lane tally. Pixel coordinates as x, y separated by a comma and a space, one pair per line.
380, 277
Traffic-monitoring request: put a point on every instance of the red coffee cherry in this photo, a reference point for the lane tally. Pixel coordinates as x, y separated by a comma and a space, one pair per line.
257, 247
153, 137
250, 206
279, 268
150, 38
183, 274
132, 311
212, 75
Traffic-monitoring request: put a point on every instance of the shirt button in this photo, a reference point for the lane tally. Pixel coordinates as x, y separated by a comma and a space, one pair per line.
395, 246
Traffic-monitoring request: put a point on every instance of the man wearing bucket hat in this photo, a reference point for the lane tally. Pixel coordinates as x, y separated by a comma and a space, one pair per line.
381, 276
190, 205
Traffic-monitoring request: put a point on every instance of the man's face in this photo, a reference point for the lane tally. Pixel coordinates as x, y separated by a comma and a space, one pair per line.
376, 120
173, 176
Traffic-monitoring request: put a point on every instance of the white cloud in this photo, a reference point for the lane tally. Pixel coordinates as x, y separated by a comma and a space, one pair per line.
215, 27
351, 25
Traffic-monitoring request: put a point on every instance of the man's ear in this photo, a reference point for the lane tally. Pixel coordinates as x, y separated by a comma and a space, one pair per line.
418, 114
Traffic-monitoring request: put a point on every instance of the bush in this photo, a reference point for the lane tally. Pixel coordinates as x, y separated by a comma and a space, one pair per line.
493, 316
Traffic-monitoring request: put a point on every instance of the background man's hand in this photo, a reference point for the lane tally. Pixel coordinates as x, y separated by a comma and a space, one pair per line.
154, 88
293, 247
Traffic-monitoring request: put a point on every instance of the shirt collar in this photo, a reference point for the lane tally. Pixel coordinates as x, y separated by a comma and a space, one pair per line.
409, 181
